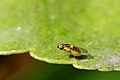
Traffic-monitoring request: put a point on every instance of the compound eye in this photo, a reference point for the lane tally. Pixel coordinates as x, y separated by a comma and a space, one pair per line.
61, 48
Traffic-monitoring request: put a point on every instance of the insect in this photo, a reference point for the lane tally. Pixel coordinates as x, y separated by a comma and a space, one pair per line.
71, 50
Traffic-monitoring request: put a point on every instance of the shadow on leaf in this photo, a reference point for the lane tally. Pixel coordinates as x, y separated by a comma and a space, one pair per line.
89, 56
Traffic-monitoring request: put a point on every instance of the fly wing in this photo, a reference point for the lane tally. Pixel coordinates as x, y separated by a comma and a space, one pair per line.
82, 50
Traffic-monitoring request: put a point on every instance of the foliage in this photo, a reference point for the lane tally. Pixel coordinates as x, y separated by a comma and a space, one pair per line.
38, 27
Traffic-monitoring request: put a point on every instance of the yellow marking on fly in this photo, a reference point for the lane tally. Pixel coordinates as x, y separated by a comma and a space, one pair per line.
71, 46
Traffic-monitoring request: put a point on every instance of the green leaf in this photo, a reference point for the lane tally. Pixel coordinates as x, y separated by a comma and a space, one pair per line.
38, 27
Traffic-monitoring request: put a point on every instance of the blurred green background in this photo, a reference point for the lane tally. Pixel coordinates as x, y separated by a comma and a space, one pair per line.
24, 67
67, 72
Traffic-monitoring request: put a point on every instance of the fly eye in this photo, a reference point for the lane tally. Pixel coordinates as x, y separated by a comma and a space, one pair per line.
61, 48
